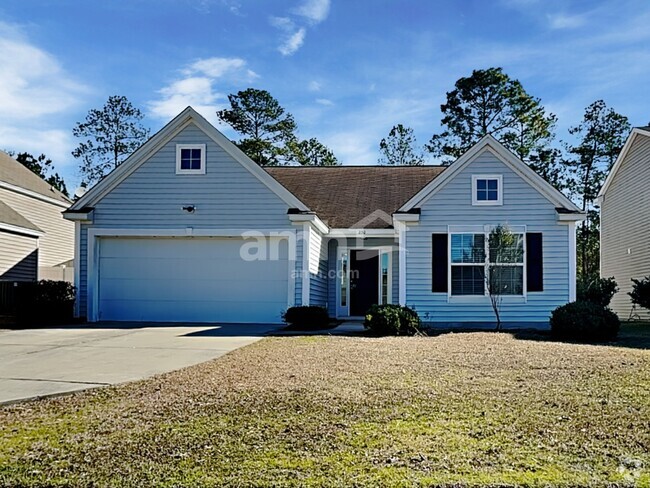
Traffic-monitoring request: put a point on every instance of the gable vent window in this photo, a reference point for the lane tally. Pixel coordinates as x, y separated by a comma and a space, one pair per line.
190, 159
487, 190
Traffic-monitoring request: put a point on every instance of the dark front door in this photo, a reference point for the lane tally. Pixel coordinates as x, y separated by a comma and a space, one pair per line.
364, 280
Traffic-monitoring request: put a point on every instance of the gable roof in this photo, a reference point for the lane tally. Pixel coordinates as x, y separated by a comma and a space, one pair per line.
16, 176
164, 135
636, 132
12, 220
505, 156
343, 196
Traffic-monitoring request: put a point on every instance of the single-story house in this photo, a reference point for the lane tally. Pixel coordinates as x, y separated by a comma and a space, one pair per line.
625, 221
35, 239
190, 229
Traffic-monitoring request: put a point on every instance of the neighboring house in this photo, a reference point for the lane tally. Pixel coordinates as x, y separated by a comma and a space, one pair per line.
625, 221
190, 229
35, 239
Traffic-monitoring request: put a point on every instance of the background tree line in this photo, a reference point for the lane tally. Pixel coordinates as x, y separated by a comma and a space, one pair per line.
486, 102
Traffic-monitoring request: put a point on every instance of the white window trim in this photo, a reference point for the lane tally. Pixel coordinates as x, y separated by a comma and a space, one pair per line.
486, 263
200, 171
481, 203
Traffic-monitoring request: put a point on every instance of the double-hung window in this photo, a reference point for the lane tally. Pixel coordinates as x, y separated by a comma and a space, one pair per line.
474, 257
468, 264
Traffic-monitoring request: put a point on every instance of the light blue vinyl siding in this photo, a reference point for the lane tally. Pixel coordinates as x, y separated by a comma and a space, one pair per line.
227, 197
452, 205
318, 289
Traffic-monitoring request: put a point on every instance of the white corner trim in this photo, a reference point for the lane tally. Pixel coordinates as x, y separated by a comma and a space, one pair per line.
573, 261
504, 155
621, 156
33, 194
77, 269
487, 203
306, 248
181, 171
401, 258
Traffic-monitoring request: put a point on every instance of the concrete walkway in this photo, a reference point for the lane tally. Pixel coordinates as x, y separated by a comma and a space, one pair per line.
43, 362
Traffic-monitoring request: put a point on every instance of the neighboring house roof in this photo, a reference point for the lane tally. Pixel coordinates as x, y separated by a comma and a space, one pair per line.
164, 135
636, 132
15, 174
507, 157
12, 220
343, 196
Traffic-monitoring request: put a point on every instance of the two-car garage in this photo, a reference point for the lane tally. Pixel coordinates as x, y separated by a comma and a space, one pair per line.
191, 279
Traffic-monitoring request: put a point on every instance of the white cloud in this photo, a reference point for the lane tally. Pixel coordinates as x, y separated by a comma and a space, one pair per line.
293, 43
314, 86
283, 23
37, 94
197, 87
324, 101
564, 21
315, 11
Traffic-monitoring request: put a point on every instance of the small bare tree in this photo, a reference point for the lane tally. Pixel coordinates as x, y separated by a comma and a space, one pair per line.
505, 253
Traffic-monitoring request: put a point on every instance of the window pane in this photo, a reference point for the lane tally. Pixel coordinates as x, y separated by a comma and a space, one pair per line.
481, 184
467, 280
467, 248
493, 195
344, 280
185, 163
196, 163
493, 184
196, 154
509, 250
507, 280
481, 195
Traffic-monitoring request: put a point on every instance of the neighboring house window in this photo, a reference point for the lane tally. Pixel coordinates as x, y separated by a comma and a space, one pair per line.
384, 277
487, 190
471, 259
190, 159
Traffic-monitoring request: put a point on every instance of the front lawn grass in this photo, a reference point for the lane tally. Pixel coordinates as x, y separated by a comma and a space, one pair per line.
475, 408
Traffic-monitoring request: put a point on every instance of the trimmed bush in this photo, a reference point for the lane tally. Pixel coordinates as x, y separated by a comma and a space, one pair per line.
584, 321
392, 320
599, 290
45, 302
640, 293
307, 316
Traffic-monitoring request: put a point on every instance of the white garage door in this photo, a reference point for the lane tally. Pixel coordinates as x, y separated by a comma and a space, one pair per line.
190, 280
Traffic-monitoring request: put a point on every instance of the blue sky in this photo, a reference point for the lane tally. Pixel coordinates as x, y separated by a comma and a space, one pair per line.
348, 70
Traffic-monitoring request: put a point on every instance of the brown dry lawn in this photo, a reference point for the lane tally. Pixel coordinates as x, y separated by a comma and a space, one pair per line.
455, 409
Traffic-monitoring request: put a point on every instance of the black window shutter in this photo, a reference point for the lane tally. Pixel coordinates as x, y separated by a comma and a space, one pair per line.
534, 262
439, 263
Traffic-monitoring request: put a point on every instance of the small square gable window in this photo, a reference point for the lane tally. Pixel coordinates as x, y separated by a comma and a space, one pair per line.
487, 190
190, 159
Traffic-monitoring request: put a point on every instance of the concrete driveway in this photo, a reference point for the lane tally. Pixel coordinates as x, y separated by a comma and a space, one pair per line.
41, 362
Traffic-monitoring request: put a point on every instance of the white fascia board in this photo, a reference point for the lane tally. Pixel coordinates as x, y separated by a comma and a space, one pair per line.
86, 217
619, 160
311, 218
504, 155
162, 137
573, 217
21, 230
404, 217
362, 233
33, 194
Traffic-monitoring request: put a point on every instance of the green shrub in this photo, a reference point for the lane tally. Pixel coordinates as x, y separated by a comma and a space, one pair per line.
584, 321
45, 302
392, 320
307, 316
640, 293
598, 290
